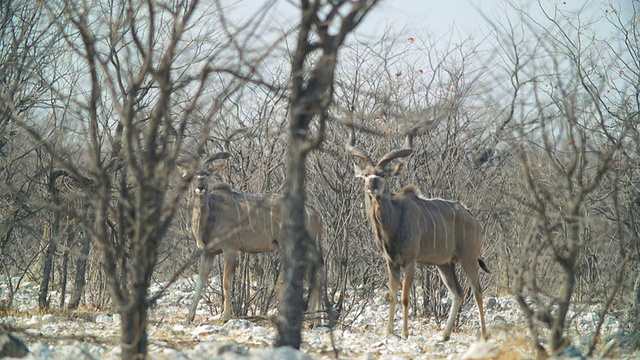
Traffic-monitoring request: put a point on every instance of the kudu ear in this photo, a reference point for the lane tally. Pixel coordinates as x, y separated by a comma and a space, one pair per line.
183, 168
397, 170
359, 170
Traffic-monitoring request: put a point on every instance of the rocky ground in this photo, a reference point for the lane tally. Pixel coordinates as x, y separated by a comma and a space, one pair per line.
95, 335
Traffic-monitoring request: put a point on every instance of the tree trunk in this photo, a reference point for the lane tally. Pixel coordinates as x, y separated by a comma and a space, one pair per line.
46, 271
134, 307
310, 97
53, 237
636, 292
291, 306
3, 267
133, 339
64, 271
81, 268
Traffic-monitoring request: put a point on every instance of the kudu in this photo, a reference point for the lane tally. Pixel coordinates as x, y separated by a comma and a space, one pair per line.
225, 221
410, 229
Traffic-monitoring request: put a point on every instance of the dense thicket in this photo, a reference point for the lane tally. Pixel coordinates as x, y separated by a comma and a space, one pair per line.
537, 135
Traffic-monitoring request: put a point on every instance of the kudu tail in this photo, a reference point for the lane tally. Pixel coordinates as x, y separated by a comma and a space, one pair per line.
483, 266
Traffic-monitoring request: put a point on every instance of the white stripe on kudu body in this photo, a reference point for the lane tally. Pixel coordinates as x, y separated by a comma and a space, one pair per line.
227, 222
454, 212
405, 221
433, 223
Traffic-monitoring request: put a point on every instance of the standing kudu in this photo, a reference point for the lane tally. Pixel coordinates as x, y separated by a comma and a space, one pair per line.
411, 229
227, 222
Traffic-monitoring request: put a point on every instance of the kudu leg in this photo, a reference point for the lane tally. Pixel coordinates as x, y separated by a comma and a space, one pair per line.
316, 284
394, 279
448, 275
230, 261
317, 281
409, 272
206, 263
471, 271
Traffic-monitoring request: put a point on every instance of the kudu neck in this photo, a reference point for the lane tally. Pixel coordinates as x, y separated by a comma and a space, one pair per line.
383, 214
381, 202
200, 202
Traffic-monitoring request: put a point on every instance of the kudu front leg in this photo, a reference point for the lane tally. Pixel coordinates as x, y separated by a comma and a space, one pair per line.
230, 261
394, 279
409, 272
206, 263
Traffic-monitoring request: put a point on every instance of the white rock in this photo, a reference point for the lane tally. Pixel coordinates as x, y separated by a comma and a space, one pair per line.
281, 353
35, 320
313, 341
261, 331
367, 356
104, 319
173, 354
235, 324
179, 328
481, 351
209, 329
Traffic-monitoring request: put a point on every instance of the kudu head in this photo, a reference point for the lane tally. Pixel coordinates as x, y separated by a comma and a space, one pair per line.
375, 174
198, 174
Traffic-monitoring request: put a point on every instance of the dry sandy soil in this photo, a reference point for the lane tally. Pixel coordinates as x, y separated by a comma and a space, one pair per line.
95, 334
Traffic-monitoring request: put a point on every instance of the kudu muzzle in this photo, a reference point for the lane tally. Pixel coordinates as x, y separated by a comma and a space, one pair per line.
200, 187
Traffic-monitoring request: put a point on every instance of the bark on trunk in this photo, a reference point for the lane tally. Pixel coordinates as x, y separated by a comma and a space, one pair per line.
47, 267
134, 340
637, 304
291, 304
81, 268
64, 271
134, 308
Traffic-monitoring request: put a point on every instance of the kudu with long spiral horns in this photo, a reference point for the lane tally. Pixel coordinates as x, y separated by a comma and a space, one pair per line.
225, 221
410, 229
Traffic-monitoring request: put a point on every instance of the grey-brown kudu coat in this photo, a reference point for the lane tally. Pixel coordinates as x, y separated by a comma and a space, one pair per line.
410, 229
225, 221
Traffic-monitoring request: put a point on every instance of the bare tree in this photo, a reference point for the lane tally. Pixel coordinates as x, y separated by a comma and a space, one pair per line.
323, 29
626, 190
23, 165
43, 302
570, 118
139, 83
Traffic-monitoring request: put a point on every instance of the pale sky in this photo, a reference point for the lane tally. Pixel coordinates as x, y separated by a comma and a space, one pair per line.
428, 15
438, 17
466, 16
415, 14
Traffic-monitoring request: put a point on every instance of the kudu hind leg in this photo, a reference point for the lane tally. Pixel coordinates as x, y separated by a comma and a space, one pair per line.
394, 279
206, 263
474, 281
315, 278
316, 283
448, 275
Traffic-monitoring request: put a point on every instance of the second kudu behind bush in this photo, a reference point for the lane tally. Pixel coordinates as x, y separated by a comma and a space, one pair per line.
225, 221
411, 229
